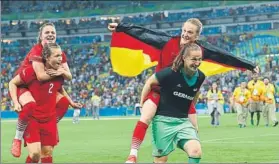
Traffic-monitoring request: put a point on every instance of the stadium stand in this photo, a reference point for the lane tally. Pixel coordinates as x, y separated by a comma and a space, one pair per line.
88, 54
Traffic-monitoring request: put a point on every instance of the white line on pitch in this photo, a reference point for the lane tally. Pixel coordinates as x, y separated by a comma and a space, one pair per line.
233, 138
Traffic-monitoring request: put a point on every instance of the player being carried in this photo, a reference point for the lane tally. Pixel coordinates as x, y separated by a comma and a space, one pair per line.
169, 47
47, 34
41, 133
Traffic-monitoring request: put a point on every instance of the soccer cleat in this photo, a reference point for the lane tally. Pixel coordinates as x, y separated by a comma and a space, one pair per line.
131, 159
16, 148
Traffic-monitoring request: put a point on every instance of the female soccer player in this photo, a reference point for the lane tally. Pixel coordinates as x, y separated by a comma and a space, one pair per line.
41, 133
47, 34
170, 47
174, 122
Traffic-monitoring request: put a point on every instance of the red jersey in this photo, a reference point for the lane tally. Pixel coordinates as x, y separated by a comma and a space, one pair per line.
168, 53
35, 54
44, 93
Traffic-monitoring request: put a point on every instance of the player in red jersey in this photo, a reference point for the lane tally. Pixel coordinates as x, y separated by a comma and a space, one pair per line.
41, 133
170, 47
47, 34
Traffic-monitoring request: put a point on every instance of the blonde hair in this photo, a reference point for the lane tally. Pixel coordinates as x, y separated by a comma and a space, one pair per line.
187, 48
39, 40
196, 22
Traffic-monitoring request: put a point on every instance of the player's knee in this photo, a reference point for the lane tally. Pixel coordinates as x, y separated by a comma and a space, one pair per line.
195, 152
47, 151
193, 148
35, 156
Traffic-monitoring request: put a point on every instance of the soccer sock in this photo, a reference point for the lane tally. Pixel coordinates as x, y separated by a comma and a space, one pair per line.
23, 119
29, 160
193, 160
61, 108
138, 136
46, 160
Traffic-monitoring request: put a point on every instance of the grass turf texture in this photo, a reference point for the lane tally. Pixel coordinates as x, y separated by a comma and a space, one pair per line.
109, 141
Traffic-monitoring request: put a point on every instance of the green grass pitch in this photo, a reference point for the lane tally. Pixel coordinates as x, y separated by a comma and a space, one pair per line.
109, 141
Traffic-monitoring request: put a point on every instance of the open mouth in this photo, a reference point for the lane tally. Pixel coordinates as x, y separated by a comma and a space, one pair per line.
50, 38
194, 68
58, 63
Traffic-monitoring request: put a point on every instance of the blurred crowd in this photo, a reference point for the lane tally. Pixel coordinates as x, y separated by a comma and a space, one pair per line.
92, 74
56, 6
88, 56
141, 18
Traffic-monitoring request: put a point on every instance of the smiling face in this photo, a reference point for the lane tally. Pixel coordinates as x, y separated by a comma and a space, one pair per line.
192, 60
189, 33
48, 34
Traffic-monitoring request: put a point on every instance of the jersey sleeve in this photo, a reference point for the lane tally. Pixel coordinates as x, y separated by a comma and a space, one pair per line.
36, 54
163, 75
64, 57
27, 75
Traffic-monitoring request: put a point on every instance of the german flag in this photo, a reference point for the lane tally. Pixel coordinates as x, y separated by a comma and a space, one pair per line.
129, 56
217, 61
135, 49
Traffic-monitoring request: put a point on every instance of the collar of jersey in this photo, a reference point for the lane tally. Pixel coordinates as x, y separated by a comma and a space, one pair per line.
192, 80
